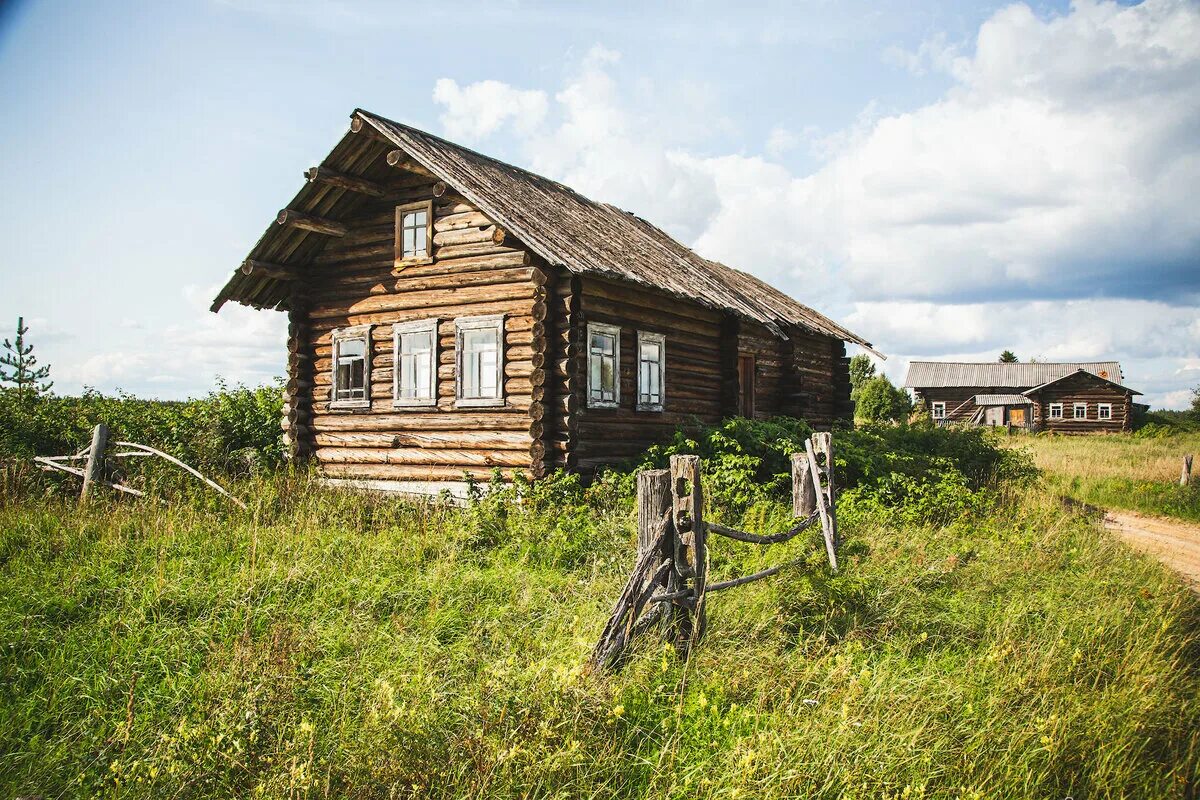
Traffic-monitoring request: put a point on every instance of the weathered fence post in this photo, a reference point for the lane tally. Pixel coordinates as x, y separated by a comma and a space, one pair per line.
826, 521
1185, 477
823, 442
94, 471
804, 496
689, 556
653, 509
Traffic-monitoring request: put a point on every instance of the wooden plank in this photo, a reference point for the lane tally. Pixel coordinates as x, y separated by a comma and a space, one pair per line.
689, 553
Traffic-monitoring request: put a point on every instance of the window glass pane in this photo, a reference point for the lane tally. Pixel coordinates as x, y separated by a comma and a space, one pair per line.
594, 367
419, 218
481, 359
419, 248
408, 241
352, 348
607, 377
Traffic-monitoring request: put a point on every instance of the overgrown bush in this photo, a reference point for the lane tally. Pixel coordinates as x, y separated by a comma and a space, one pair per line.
233, 430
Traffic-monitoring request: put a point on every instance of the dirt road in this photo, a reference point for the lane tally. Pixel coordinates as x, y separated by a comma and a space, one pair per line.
1176, 544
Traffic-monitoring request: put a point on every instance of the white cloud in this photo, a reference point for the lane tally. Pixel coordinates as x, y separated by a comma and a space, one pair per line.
1043, 203
240, 344
479, 109
780, 140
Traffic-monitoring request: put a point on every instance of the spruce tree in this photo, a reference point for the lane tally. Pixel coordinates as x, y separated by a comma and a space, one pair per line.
19, 366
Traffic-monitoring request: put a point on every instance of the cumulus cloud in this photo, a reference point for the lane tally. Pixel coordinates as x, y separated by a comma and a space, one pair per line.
480, 109
240, 345
1043, 203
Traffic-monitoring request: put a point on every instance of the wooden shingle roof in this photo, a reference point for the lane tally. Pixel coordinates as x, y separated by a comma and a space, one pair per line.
552, 220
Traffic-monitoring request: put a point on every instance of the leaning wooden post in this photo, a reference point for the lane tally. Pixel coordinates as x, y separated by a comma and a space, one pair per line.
653, 510
94, 471
826, 523
804, 497
823, 442
690, 554
1185, 477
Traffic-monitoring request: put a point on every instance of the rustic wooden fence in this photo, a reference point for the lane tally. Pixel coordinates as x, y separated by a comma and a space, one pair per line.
669, 583
99, 465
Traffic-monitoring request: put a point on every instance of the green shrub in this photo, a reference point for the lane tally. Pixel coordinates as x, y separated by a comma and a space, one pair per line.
233, 430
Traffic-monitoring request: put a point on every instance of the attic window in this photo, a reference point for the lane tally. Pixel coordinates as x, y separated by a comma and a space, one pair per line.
351, 368
604, 359
414, 232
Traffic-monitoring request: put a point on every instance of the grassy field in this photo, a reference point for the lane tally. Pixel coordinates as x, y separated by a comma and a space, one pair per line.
326, 645
1127, 472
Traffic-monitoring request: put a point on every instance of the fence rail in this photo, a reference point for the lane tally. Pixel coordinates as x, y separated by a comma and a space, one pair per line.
669, 578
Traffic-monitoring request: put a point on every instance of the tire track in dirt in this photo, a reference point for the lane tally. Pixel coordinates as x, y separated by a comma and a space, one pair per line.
1176, 544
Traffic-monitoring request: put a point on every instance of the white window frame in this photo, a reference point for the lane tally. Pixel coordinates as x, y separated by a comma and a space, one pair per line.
399, 329
1101, 410
935, 407
461, 324
647, 337
609, 330
1075, 410
402, 260
1053, 407
338, 336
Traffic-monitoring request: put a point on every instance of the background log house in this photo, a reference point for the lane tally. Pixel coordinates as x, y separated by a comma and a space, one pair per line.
549, 262
1076, 397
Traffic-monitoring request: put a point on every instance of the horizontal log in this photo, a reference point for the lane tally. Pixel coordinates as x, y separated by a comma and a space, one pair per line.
437, 420
413, 456
266, 269
400, 160
425, 300
341, 180
416, 472
310, 222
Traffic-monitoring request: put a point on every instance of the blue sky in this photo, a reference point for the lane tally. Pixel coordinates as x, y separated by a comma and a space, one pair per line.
948, 179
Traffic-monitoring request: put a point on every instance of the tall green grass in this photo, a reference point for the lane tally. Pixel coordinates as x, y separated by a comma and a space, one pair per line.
332, 645
1125, 472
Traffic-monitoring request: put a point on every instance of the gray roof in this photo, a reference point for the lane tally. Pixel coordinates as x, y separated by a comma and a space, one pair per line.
1002, 400
555, 222
994, 374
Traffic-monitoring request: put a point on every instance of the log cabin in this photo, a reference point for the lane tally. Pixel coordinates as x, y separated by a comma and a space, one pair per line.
450, 314
1084, 397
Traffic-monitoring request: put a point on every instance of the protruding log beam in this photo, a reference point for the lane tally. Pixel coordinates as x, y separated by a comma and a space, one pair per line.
502, 237
356, 124
351, 183
399, 160
309, 222
265, 269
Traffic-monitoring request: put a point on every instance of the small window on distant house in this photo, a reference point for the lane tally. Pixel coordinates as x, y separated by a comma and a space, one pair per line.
604, 360
1079, 410
415, 374
480, 345
414, 231
1104, 411
351, 368
938, 410
652, 361
1056, 411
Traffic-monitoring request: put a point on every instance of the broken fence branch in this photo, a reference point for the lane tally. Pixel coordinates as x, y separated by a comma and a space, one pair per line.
754, 538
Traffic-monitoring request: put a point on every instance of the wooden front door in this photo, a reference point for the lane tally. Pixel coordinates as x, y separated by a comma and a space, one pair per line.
1016, 416
746, 385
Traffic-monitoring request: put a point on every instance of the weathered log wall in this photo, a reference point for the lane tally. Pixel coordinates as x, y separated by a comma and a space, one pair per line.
798, 377
1084, 388
353, 281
